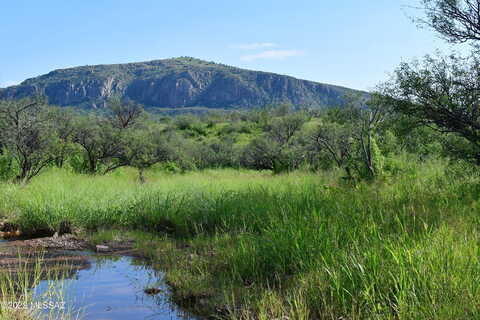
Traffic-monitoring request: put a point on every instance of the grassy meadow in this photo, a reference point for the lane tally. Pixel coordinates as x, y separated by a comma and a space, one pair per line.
253, 245
259, 196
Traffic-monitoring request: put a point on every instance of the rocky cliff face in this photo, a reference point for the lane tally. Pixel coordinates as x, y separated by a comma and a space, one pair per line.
176, 83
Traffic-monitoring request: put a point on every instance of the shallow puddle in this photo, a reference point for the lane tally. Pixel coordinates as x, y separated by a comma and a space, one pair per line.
110, 288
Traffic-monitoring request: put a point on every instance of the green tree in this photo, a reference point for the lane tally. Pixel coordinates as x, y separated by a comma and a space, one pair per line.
457, 21
28, 134
335, 141
273, 150
348, 137
144, 148
442, 93
124, 114
63, 120
103, 144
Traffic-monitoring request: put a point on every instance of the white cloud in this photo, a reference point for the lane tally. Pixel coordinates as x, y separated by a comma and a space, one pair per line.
272, 54
254, 46
8, 83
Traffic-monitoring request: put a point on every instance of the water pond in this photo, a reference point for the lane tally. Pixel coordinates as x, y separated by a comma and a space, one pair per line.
111, 287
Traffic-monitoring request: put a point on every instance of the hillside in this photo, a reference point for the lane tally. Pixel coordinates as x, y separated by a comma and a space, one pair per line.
176, 83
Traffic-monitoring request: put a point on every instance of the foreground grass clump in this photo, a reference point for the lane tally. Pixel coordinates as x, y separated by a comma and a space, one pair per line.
17, 298
301, 245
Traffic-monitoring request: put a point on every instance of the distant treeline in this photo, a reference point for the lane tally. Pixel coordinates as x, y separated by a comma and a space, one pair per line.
361, 139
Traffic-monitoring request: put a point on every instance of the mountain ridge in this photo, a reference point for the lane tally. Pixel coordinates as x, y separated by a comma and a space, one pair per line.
176, 83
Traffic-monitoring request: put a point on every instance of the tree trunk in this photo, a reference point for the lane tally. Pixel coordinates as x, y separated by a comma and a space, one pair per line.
141, 177
92, 165
22, 176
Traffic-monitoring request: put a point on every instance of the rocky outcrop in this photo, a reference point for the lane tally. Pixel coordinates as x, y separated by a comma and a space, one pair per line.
176, 83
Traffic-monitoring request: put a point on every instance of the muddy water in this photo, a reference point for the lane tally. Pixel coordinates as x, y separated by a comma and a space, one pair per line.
112, 288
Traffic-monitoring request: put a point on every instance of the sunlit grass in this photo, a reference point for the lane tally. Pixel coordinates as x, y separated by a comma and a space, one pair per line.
17, 291
300, 245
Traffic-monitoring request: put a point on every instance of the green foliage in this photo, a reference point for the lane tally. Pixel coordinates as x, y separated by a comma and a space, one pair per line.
441, 92
171, 167
460, 169
378, 158
376, 251
456, 21
357, 139
78, 163
385, 227
28, 136
259, 154
8, 167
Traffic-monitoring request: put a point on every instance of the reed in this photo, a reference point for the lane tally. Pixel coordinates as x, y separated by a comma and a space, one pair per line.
299, 245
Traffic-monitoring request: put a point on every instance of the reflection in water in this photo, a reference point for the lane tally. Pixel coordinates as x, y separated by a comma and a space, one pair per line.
113, 288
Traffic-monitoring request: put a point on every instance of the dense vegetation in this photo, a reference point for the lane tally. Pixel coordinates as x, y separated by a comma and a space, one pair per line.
356, 212
365, 211
364, 141
301, 245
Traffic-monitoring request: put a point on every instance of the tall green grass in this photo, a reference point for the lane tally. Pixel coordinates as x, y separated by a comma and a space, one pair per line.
118, 200
17, 283
300, 245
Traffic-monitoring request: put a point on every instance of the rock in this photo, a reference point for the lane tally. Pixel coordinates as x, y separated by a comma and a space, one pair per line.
20, 257
152, 291
65, 242
174, 83
100, 248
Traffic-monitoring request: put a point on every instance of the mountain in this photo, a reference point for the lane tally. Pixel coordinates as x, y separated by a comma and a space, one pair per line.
176, 83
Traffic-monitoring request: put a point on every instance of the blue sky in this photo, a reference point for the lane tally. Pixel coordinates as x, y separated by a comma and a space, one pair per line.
346, 42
